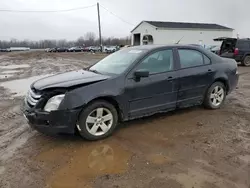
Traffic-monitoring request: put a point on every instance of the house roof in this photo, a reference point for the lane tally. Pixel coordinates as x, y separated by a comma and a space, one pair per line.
185, 25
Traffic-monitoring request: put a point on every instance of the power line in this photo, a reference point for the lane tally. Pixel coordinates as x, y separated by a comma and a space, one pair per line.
45, 11
64, 10
117, 16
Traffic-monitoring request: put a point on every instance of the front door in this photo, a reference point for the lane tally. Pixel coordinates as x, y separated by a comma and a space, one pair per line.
157, 92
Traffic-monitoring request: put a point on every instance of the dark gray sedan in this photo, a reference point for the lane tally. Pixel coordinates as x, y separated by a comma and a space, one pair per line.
131, 83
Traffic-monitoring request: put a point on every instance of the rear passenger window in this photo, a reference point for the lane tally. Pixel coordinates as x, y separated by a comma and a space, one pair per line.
243, 44
207, 61
190, 58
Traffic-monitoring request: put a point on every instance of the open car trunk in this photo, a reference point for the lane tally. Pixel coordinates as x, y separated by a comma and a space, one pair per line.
227, 46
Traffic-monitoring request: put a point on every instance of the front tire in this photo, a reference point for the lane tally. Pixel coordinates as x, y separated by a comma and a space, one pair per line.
97, 121
215, 96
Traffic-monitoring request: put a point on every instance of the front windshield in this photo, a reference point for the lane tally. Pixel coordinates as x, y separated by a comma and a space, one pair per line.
117, 62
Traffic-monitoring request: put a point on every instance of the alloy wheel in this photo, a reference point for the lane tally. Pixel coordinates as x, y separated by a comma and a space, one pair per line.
99, 121
217, 95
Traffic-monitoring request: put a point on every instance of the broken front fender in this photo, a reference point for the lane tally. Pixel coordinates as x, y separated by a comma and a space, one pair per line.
81, 96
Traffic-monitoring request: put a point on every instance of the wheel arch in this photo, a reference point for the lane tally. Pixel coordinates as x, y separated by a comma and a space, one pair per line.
207, 99
224, 81
245, 55
111, 100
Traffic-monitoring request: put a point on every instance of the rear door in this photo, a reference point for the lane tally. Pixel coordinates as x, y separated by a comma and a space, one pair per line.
195, 75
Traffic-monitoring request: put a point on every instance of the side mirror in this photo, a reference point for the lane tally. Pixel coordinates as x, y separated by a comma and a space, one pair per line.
142, 73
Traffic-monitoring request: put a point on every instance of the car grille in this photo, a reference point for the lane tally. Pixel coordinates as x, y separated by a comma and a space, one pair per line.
32, 98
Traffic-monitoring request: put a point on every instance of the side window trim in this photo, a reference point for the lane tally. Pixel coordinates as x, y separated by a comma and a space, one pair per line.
155, 73
202, 54
208, 58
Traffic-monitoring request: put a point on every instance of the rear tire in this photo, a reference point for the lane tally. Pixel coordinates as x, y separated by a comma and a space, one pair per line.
215, 96
97, 121
246, 61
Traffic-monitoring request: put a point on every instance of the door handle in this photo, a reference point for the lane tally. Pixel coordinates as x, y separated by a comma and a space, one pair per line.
170, 78
209, 70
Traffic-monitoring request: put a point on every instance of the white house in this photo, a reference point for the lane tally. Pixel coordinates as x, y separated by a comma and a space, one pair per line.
154, 32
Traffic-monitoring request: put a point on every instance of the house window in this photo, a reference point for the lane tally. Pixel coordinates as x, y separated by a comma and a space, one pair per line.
147, 39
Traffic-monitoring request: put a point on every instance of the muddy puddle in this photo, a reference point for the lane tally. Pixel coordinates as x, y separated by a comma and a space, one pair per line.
84, 162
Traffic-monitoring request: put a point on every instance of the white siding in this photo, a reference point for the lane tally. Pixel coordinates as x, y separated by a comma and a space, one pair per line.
170, 36
144, 29
204, 37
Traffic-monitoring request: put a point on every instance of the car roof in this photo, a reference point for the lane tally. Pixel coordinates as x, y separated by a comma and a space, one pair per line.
228, 38
154, 47
149, 48
245, 39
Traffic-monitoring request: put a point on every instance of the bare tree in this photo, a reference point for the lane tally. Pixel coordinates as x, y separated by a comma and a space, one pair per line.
61, 43
90, 36
80, 41
89, 39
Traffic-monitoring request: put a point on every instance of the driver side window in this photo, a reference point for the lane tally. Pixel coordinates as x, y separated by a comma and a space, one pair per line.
158, 62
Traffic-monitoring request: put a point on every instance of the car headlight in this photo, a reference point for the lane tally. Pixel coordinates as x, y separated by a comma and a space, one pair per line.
53, 103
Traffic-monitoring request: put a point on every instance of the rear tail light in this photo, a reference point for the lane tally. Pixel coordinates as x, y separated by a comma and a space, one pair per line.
219, 51
236, 51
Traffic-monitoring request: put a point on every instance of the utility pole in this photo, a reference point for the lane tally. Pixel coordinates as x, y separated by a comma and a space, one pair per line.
99, 24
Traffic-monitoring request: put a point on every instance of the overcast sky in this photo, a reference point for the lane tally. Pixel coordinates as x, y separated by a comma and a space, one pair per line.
71, 25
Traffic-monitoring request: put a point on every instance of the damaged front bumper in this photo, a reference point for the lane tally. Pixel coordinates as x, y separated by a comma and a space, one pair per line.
55, 122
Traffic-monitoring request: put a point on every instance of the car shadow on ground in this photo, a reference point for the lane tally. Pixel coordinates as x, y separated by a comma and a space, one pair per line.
124, 125
159, 116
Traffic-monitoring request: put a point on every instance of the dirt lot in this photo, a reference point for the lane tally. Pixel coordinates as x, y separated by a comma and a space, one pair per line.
190, 148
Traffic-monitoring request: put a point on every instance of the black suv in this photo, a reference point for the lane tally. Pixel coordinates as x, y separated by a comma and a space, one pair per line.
238, 49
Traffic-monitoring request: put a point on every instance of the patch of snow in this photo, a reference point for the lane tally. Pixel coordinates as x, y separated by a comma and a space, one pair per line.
21, 86
3, 76
10, 72
15, 66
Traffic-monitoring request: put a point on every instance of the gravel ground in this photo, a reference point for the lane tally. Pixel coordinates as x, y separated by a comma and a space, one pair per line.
190, 148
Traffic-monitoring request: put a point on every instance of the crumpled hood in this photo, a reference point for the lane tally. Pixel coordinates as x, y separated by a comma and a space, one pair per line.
68, 79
